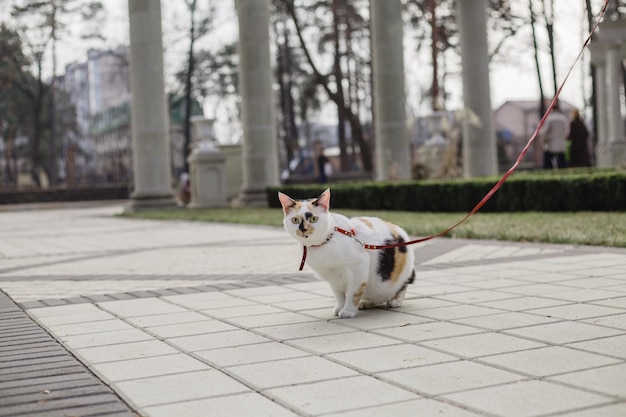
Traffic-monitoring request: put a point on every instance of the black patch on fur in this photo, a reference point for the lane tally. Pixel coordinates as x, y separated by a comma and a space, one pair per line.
386, 258
411, 278
308, 215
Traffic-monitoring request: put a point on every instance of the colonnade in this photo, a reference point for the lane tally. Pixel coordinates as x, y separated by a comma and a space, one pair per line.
153, 181
608, 52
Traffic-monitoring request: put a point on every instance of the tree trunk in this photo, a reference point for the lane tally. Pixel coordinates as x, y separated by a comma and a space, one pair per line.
592, 71
52, 163
341, 125
550, 30
188, 80
542, 104
434, 92
35, 152
355, 123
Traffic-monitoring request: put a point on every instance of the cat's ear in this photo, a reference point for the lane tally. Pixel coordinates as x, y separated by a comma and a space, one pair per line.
323, 200
286, 201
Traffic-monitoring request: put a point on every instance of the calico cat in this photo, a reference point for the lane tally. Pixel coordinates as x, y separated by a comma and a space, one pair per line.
359, 278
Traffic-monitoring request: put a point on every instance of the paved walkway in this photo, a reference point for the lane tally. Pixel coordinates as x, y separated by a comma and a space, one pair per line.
195, 319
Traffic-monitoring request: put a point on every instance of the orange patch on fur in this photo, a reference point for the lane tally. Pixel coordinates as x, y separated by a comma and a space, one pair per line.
367, 222
357, 295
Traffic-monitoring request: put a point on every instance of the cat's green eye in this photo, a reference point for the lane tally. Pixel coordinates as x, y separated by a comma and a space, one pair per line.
295, 220
313, 219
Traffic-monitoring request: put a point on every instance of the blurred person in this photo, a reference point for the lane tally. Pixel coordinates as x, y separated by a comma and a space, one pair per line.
578, 137
553, 138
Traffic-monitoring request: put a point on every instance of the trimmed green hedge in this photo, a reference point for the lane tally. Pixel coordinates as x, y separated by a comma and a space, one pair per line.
563, 190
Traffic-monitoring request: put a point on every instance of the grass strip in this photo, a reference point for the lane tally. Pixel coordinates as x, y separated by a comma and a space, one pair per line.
578, 228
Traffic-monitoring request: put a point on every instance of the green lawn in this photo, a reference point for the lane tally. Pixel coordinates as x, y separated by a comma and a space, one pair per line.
582, 228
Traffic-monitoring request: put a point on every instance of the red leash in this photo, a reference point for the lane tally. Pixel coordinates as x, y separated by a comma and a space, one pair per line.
502, 180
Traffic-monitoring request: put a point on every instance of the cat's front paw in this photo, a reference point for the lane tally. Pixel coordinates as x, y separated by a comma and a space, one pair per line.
337, 309
346, 314
394, 303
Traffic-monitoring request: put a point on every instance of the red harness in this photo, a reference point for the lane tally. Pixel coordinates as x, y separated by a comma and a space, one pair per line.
350, 233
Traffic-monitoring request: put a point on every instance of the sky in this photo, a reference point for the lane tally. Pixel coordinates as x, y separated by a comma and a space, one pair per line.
513, 79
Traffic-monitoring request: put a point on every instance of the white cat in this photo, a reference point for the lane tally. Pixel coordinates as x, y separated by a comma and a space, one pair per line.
359, 278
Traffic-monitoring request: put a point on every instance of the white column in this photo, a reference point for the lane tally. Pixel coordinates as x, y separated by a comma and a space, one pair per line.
393, 159
149, 115
613, 82
617, 142
479, 141
259, 151
602, 143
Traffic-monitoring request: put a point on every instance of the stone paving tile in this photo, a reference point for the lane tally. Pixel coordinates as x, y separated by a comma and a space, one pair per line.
585, 295
284, 297
577, 311
263, 320
69, 310
302, 330
526, 303
241, 311
564, 332
422, 407
595, 282
339, 395
503, 321
246, 354
473, 346
547, 361
141, 307
379, 318
340, 342
430, 290
206, 301
88, 328
545, 290
428, 331
124, 351
259, 291
189, 329
290, 372
96, 316
387, 358
241, 405
449, 377
526, 399
183, 387
104, 339
327, 303
610, 346
216, 340
147, 367
411, 304
609, 379
166, 319
474, 297
456, 312
616, 410
618, 302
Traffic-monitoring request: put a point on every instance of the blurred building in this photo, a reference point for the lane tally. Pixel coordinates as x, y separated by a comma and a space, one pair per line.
100, 91
516, 121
